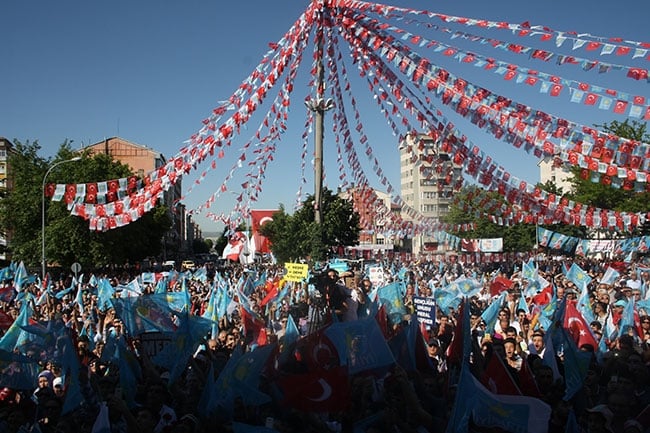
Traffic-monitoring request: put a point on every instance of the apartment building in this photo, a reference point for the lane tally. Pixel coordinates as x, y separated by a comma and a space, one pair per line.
427, 179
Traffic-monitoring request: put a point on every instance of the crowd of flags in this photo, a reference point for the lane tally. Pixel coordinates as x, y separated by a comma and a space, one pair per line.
331, 353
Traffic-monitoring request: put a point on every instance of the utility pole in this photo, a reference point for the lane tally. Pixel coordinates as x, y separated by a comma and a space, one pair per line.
318, 106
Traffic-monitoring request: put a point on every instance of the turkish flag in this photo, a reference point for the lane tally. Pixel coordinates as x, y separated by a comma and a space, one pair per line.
500, 284
556, 89
258, 219
527, 383
5, 320
497, 379
620, 107
321, 390
316, 351
591, 99
578, 327
253, 326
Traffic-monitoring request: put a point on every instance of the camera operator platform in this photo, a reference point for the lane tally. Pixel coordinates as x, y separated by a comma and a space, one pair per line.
335, 298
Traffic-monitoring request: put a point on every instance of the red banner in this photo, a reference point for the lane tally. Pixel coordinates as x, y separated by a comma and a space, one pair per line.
258, 219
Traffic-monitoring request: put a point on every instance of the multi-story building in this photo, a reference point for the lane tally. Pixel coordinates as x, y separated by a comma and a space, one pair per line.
6, 184
427, 179
142, 160
373, 219
558, 174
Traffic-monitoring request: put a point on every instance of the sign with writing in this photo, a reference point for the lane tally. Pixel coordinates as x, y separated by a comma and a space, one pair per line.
425, 310
296, 271
154, 342
376, 275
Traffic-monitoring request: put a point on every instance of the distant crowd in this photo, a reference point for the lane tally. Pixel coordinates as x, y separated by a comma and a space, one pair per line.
344, 350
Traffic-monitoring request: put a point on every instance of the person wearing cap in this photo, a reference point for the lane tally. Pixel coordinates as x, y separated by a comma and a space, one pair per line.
435, 355
57, 385
537, 346
599, 419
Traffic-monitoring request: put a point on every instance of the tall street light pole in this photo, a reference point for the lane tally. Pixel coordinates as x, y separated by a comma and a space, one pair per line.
52, 167
319, 106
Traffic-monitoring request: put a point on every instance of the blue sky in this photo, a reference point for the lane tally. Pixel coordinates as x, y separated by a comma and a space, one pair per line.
150, 71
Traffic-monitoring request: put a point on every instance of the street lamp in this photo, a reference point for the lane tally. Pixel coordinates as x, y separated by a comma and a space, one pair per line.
43, 264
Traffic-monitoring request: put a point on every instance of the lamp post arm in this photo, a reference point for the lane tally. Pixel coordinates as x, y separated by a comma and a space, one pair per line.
47, 173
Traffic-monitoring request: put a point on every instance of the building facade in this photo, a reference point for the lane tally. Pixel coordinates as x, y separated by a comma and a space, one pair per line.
6, 184
142, 160
427, 179
558, 174
373, 218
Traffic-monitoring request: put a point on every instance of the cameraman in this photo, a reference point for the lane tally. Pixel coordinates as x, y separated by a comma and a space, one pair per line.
338, 297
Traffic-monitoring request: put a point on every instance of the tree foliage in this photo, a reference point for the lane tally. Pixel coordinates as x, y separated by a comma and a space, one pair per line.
297, 236
605, 196
68, 238
520, 237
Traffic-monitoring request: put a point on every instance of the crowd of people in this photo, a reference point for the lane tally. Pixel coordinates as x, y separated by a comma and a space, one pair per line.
322, 368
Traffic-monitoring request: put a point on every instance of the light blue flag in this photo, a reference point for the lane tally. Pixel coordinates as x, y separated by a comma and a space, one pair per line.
360, 345
210, 313
391, 297
291, 332
161, 286
175, 301
20, 277
610, 331
584, 305
401, 275
240, 378
62, 293
490, 314
111, 353
576, 364
627, 318
222, 301
402, 345
548, 357
79, 299
602, 349
11, 338
19, 371
102, 423
105, 292
191, 331
578, 276
200, 274
572, 425
6, 274
70, 367
447, 297
148, 277
529, 270
468, 287
223, 393
130, 373
522, 305
610, 276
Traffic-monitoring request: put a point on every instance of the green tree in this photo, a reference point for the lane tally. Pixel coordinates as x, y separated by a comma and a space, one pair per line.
68, 239
569, 230
519, 237
607, 197
200, 246
298, 236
